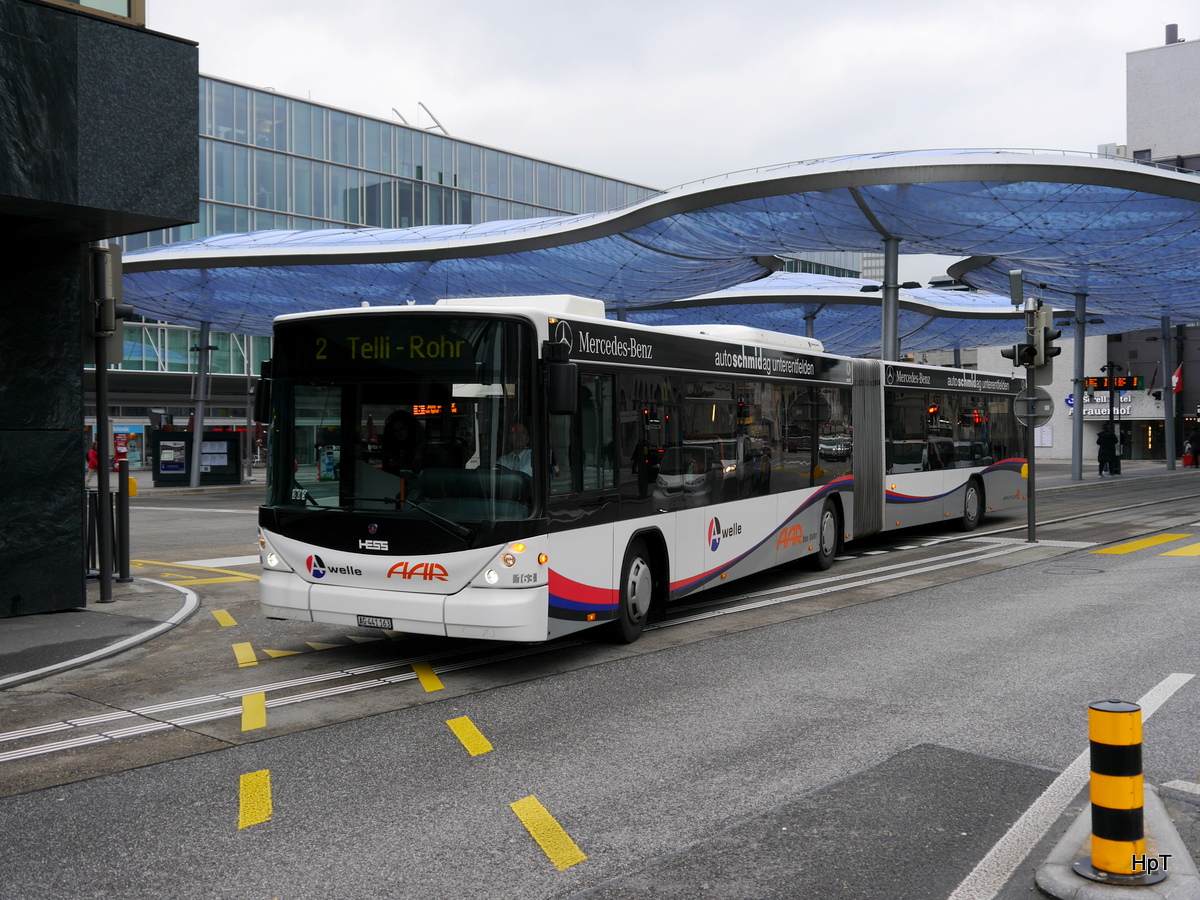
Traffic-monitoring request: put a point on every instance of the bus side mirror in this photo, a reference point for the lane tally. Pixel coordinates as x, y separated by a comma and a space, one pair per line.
562, 388
262, 395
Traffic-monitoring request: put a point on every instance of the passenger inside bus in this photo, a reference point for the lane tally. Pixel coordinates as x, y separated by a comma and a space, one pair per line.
405, 447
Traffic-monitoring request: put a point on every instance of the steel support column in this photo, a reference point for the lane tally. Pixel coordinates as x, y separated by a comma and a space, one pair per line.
1077, 378
889, 345
1168, 393
201, 400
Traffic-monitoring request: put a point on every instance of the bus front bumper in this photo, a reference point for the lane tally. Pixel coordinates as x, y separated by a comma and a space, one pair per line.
502, 614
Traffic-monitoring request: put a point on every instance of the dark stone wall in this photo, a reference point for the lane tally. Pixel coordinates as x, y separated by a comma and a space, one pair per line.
42, 529
98, 135
99, 125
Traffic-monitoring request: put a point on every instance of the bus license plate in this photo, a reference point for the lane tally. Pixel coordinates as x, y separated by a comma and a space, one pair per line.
374, 622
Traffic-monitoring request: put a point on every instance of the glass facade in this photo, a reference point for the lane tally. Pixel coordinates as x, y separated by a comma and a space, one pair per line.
268, 161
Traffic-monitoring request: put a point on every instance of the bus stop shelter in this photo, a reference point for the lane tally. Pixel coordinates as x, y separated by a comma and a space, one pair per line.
1093, 237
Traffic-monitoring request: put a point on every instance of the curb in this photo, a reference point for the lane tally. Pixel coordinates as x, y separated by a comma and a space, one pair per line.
191, 603
1056, 877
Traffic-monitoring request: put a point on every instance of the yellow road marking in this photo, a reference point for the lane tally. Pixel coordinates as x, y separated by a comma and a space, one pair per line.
223, 617
472, 738
428, 679
255, 804
555, 843
197, 568
236, 576
186, 580
245, 655
254, 711
363, 640
1133, 546
323, 646
1189, 550
275, 654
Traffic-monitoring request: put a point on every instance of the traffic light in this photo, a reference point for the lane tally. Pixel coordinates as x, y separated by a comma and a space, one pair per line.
1044, 335
1021, 354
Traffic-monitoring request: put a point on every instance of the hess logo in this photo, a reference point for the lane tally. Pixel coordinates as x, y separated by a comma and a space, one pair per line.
422, 571
716, 532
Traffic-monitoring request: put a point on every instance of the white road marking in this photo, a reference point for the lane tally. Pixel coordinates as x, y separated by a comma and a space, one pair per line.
994, 870
220, 563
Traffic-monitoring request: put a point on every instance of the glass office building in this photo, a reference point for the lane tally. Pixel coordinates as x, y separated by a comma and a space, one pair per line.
269, 161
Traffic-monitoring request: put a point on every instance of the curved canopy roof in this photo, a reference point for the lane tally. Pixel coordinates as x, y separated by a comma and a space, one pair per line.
1126, 234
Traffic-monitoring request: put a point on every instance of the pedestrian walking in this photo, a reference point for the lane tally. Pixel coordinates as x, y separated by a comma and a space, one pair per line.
93, 463
1194, 440
1107, 454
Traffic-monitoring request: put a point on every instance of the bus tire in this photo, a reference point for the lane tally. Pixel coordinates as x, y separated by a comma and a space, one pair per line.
972, 506
829, 527
637, 594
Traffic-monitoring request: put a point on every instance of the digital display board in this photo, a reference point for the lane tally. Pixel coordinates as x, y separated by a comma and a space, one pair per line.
1119, 382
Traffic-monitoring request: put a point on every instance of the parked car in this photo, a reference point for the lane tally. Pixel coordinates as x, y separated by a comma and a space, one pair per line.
688, 476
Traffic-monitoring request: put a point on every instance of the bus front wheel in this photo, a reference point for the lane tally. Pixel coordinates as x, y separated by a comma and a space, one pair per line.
637, 594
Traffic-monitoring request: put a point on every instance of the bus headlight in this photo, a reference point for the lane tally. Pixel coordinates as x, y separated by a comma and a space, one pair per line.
273, 559
491, 576
509, 560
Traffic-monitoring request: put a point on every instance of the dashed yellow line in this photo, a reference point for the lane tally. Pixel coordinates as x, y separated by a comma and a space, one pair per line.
254, 711
276, 654
472, 738
1189, 550
223, 617
426, 676
550, 836
1134, 546
245, 655
254, 795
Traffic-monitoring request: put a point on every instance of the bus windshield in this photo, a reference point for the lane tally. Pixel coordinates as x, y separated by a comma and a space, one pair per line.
421, 417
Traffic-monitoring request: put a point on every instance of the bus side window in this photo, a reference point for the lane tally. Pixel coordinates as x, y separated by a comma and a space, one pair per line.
584, 441
596, 430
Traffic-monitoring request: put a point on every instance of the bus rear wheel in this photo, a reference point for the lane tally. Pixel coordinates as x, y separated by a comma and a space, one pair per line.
637, 594
972, 506
828, 529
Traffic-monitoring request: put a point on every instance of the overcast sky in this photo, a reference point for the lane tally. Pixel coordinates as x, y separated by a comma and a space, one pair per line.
662, 92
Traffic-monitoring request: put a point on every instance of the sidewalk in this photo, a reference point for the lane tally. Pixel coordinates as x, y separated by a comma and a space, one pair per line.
33, 647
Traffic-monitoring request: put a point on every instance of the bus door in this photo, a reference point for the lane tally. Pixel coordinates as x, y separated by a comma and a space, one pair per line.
583, 503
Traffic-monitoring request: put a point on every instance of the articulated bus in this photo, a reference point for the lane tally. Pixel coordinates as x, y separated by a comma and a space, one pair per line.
524, 469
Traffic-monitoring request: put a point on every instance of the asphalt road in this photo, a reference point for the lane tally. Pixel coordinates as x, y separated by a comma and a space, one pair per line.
865, 738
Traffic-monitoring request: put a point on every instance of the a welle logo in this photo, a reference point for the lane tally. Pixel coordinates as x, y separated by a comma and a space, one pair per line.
716, 533
317, 568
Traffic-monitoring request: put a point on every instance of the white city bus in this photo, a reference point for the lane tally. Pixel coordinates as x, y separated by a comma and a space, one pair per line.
523, 469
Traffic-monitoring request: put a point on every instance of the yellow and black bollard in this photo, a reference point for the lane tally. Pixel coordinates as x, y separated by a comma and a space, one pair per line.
1117, 791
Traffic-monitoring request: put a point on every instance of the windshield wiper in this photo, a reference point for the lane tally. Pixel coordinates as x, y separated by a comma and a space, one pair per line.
448, 525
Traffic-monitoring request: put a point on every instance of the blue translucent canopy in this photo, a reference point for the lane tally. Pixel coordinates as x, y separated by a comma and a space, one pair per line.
1125, 234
